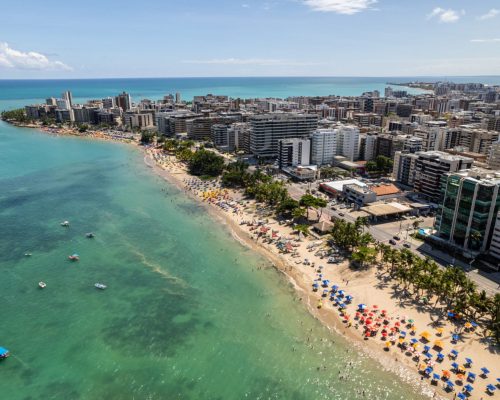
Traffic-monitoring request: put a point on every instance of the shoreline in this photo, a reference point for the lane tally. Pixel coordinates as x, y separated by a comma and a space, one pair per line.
327, 317
301, 276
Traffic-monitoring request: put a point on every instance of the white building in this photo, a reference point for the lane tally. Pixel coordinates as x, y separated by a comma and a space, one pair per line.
340, 140
323, 146
495, 239
494, 159
294, 152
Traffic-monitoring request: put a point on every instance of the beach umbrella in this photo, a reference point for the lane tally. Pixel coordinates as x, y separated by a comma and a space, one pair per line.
474, 324
440, 356
439, 331
361, 307
450, 314
425, 335
388, 344
410, 321
342, 305
426, 348
438, 343
461, 396
413, 341
485, 371
397, 323
455, 337
368, 334
490, 388
471, 376
468, 388
454, 353
368, 321
334, 288
349, 297
446, 373
428, 371
341, 293
454, 365
450, 384
402, 334
384, 334
326, 282
325, 292
427, 354
435, 377
315, 285
401, 340
384, 311
413, 328
468, 325
468, 361
460, 377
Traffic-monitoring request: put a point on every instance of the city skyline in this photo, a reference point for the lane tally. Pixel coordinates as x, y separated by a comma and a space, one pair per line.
249, 38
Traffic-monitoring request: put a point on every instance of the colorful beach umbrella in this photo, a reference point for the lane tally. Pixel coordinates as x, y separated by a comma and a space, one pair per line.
425, 335
435, 377
461, 396
490, 388
471, 376
439, 331
438, 343
468, 388
485, 371
468, 361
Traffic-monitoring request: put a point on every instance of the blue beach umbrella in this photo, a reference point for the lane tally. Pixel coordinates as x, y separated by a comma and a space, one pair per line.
361, 307
455, 337
454, 365
440, 356
474, 324
413, 341
461, 396
426, 348
468, 388
342, 305
335, 288
435, 377
315, 285
325, 292
485, 371
490, 388
471, 376
454, 353
341, 292
428, 371
349, 297
451, 315
326, 282
468, 361
402, 334
450, 384
427, 354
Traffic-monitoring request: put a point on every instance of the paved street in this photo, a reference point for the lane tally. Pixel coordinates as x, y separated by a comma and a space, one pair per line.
489, 282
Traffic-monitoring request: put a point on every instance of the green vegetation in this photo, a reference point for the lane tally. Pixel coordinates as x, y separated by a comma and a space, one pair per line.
348, 236
381, 164
147, 137
236, 175
309, 201
204, 162
17, 115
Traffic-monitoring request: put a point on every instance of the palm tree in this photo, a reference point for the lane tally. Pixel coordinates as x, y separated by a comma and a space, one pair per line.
364, 255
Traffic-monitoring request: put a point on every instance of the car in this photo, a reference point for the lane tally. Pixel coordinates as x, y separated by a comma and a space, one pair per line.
396, 237
407, 245
334, 208
393, 242
341, 214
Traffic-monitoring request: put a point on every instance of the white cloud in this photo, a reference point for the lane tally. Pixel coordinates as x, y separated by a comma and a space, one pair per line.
11, 58
495, 40
249, 61
348, 7
490, 14
245, 6
445, 16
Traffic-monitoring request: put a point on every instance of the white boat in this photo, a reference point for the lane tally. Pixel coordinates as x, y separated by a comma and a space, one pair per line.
42, 285
65, 223
100, 286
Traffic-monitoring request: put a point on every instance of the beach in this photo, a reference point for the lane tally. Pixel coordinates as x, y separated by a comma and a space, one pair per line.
370, 287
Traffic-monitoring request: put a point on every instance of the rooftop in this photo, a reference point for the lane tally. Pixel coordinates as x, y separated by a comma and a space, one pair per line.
385, 189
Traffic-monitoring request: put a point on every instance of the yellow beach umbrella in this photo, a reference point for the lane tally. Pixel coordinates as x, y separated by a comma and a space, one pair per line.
426, 335
468, 325
438, 343
388, 344
439, 331
401, 340
413, 328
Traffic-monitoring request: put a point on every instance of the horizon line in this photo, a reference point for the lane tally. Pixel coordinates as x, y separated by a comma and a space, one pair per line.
251, 77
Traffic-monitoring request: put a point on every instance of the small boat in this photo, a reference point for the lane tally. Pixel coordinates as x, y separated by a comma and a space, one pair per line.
42, 285
65, 223
4, 353
74, 257
100, 286
89, 235
27, 254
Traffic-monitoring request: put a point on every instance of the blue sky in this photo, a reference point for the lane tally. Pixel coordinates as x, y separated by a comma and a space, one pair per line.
170, 38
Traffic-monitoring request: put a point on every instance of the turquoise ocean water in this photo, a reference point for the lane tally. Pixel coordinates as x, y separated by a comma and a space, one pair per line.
187, 314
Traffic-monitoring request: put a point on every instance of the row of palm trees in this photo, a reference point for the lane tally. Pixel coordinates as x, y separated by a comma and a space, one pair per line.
449, 288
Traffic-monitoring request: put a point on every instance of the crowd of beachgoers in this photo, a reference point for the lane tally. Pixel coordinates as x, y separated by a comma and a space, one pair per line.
450, 355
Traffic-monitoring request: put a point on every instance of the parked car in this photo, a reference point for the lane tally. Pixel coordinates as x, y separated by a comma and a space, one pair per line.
393, 242
341, 214
396, 237
407, 245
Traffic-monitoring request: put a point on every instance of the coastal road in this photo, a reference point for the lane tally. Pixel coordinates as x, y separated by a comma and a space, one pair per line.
490, 283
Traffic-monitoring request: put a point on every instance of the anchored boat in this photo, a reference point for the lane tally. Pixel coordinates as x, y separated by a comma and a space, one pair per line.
74, 257
42, 285
101, 286
4, 353
65, 223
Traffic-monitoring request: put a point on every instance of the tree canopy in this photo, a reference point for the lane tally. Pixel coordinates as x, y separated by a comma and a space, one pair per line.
204, 162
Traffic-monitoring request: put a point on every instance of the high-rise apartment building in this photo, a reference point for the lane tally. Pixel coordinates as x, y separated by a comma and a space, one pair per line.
469, 208
293, 152
124, 101
268, 129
